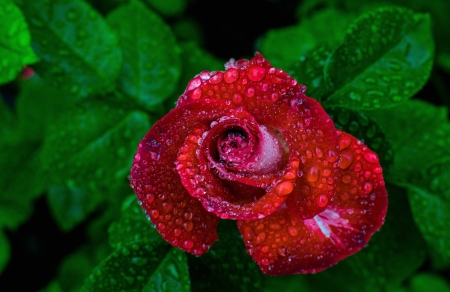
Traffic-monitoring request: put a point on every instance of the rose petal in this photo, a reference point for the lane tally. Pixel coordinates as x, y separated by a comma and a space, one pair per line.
283, 244
179, 218
305, 130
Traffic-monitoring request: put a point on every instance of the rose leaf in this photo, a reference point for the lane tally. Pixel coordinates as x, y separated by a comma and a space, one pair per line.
79, 52
385, 58
151, 62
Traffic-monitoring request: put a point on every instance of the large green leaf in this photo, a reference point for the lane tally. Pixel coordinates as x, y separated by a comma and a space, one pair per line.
429, 196
8, 122
386, 57
37, 105
168, 7
15, 47
391, 256
22, 180
429, 282
227, 266
286, 45
419, 132
89, 150
79, 52
141, 260
151, 65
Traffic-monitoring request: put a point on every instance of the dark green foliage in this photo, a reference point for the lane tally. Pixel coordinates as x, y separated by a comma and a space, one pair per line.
107, 69
15, 48
151, 63
226, 267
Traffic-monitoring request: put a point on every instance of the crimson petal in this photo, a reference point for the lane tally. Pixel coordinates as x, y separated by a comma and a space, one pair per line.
283, 244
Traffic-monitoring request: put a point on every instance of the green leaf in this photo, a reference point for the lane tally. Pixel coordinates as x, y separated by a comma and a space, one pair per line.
309, 71
141, 260
391, 256
8, 121
431, 211
38, 105
151, 64
21, 181
286, 45
386, 57
92, 130
79, 52
227, 266
429, 282
419, 132
15, 47
365, 129
5, 251
132, 226
194, 60
71, 205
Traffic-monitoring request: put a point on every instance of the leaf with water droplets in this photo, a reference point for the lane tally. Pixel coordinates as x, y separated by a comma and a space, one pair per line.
92, 129
309, 70
131, 226
226, 267
141, 260
151, 64
393, 254
79, 52
15, 47
419, 133
284, 46
429, 196
386, 57
365, 129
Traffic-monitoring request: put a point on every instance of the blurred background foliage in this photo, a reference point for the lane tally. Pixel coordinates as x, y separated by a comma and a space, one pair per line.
105, 70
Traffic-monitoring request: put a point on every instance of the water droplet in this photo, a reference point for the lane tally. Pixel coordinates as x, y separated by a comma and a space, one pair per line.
312, 174
322, 201
237, 98
256, 73
216, 79
355, 96
197, 93
292, 231
319, 152
188, 244
371, 157
346, 179
231, 75
250, 92
188, 226
154, 213
367, 187
346, 159
331, 155
265, 261
194, 83
260, 238
284, 188
344, 142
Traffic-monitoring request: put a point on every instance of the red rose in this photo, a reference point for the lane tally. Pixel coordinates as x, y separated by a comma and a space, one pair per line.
248, 145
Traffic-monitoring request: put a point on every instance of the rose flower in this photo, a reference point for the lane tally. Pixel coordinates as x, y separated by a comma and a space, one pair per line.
248, 145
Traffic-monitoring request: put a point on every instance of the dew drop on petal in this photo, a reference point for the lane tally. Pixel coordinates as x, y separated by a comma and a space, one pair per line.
322, 201
250, 92
260, 238
344, 142
377, 169
188, 244
256, 73
177, 232
237, 98
231, 75
284, 188
197, 93
346, 179
312, 174
346, 159
371, 157
292, 231
194, 83
154, 213
367, 187
265, 261
188, 226
332, 156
